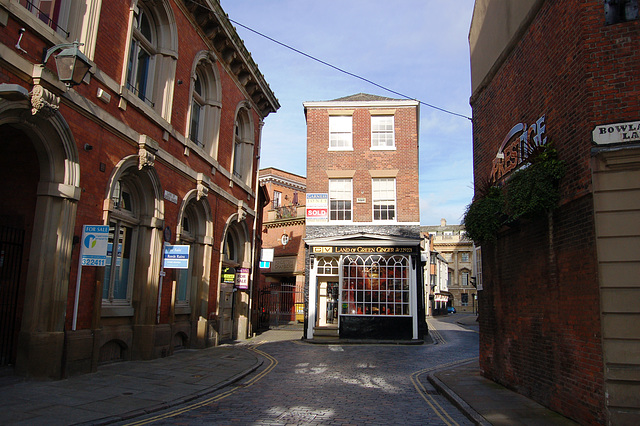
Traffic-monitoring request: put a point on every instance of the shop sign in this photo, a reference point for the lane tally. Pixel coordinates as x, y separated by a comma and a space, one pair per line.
516, 145
617, 133
242, 279
229, 275
317, 208
176, 257
284, 264
364, 249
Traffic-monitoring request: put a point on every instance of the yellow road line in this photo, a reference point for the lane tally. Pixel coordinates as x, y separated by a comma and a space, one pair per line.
435, 333
422, 390
272, 364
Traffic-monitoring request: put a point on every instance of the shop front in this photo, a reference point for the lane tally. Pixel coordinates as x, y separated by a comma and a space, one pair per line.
363, 288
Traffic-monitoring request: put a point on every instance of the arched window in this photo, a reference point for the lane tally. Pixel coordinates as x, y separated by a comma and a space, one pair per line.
243, 147
204, 118
327, 266
143, 49
121, 248
188, 236
134, 206
231, 247
196, 132
152, 56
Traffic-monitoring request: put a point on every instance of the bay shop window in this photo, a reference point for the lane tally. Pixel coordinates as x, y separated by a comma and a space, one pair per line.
375, 285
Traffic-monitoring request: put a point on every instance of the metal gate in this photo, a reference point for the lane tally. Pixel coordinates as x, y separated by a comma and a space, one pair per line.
11, 244
280, 308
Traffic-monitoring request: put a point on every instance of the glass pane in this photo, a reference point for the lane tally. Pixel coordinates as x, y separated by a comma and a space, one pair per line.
195, 123
197, 87
142, 74
117, 263
144, 25
123, 258
182, 285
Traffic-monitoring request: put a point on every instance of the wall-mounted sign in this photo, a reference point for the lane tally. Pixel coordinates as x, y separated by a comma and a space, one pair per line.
229, 275
93, 248
176, 257
361, 200
617, 133
441, 298
264, 264
266, 254
170, 196
516, 145
242, 279
284, 264
363, 249
317, 208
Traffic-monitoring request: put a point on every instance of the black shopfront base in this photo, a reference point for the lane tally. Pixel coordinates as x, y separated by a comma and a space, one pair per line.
371, 327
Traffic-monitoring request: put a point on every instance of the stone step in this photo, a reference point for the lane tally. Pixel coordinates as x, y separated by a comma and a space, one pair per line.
326, 332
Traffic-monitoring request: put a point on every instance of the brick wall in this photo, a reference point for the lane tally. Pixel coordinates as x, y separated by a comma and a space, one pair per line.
362, 159
539, 310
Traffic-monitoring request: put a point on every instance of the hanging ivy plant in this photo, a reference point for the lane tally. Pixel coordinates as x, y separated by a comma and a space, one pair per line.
484, 216
533, 190
530, 191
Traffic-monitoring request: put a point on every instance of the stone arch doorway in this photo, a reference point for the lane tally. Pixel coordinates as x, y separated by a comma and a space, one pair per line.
233, 299
191, 301
40, 174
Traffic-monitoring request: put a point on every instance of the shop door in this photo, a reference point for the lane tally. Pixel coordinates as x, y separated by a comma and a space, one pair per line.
327, 303
226, 312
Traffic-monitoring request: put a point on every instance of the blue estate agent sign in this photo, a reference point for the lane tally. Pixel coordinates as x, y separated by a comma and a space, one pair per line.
93, 247
176, 257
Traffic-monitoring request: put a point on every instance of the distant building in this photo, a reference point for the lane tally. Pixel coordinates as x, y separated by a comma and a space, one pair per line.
364, 278
449, 241
559, 301
436, 280
281, 288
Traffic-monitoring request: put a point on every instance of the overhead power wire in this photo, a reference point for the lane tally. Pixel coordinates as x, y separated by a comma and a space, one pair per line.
337, 68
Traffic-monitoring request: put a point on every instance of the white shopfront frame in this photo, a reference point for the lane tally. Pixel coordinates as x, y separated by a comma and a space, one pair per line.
320, 245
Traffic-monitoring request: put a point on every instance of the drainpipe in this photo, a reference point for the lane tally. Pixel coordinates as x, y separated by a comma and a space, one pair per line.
249, 330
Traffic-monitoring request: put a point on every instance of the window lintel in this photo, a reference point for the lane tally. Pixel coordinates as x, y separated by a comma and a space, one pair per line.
383, 112
391, 173
337, 174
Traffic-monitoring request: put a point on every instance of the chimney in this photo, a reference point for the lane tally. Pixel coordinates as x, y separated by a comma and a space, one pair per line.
443, 222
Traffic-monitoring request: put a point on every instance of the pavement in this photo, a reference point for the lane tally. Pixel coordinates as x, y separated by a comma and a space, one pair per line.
124, 391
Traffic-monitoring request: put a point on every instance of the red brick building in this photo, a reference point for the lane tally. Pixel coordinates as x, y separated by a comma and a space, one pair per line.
556, 318
281, 286
364, 278
158, 145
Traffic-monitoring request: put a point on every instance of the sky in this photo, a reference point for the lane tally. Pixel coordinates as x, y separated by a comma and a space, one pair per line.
418, 48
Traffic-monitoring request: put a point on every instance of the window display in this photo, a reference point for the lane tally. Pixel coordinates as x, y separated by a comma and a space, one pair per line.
375, 285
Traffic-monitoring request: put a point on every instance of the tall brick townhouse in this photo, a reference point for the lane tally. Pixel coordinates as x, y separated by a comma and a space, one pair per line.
155, 150
364, 275
556, 140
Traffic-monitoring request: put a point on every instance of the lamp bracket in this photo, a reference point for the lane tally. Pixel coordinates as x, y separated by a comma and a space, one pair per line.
46, 53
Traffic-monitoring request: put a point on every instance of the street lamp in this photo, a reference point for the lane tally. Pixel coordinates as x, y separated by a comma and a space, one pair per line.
72, 64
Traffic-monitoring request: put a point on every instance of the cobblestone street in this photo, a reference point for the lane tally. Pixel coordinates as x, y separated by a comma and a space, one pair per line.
304, 384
